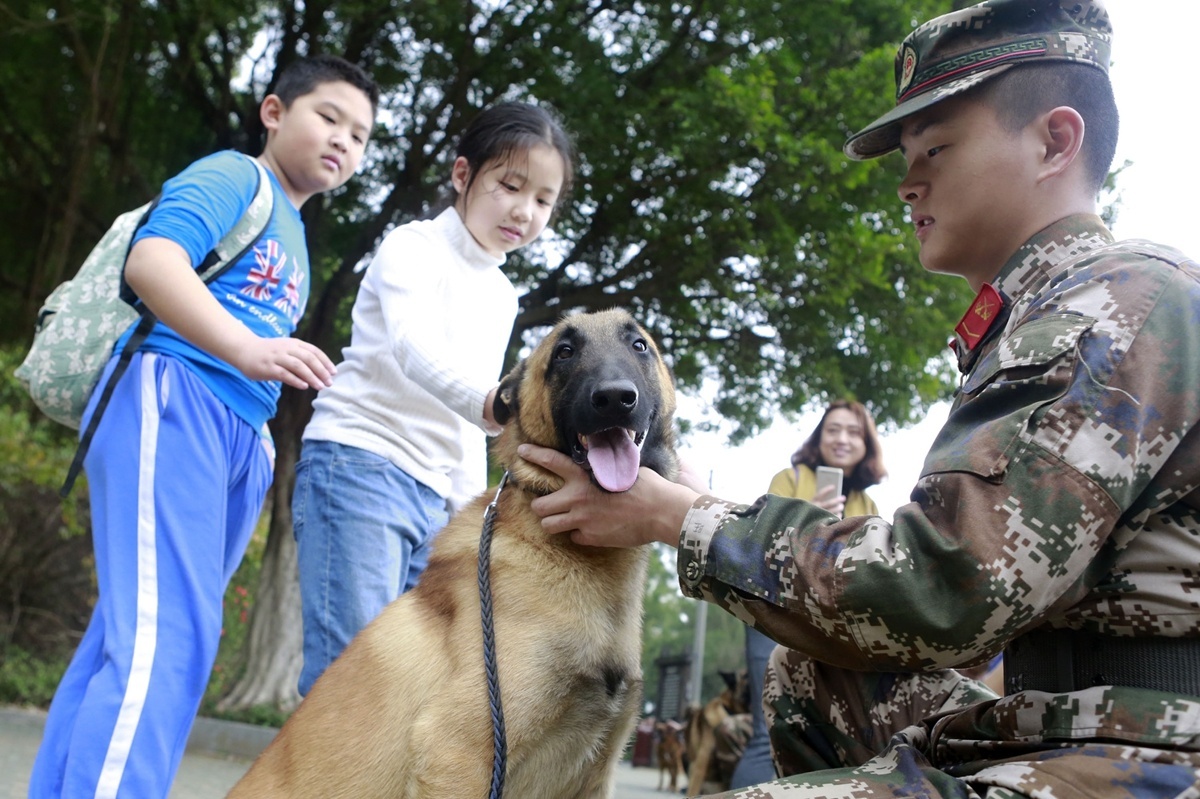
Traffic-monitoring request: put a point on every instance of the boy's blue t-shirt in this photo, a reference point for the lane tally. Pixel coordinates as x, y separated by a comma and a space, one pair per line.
267, 289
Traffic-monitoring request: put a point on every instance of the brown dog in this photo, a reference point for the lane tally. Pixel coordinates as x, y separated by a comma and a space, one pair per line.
706, 772
404, 711
668, 753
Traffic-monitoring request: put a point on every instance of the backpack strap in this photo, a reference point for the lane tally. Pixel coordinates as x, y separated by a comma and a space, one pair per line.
245, 233
232, 247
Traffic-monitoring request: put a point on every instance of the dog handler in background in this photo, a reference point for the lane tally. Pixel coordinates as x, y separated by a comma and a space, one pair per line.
397, 442
1057, 516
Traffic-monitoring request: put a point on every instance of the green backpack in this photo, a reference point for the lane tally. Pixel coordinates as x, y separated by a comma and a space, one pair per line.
79, 323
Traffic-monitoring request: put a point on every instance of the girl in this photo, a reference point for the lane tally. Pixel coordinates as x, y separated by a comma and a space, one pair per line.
397, 443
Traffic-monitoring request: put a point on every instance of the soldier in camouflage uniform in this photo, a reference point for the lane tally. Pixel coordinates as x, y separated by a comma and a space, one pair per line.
1057, 516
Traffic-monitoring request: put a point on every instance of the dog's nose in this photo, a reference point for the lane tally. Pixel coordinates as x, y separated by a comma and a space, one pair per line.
615, 396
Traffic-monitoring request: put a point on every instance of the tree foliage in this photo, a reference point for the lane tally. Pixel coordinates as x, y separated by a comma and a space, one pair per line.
668, 621
713, 198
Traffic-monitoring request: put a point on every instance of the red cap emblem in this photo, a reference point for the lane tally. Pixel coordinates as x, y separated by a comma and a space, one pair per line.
979, 317
908, 66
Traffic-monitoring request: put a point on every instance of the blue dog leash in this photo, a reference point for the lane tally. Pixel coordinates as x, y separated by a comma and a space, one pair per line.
499, 746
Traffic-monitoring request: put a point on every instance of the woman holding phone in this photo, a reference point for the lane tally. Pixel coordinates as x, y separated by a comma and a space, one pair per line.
844, 440
833, 468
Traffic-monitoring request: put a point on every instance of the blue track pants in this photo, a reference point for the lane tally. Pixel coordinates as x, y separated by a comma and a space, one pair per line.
176, 484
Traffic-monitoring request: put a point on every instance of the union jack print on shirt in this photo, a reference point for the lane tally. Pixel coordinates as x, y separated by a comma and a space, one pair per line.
289, 303
266, 273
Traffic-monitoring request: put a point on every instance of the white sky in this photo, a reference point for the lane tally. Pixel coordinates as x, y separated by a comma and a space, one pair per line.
1155, 78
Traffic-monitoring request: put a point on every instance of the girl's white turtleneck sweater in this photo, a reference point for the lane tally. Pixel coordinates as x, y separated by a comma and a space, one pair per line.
430, 328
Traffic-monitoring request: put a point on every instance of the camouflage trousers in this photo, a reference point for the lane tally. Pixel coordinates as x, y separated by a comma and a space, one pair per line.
842, 734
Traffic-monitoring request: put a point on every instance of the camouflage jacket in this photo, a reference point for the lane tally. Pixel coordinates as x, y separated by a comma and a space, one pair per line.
1062, 490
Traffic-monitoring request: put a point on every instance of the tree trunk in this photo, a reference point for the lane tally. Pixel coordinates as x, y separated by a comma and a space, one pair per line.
273, 645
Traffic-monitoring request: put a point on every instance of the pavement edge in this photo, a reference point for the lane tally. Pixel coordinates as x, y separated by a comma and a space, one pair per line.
214, 737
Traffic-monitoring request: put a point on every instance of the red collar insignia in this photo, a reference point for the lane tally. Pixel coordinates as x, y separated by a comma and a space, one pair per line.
979, 317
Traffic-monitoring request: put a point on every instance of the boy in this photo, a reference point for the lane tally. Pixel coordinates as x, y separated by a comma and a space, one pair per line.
1057, 518
182, 459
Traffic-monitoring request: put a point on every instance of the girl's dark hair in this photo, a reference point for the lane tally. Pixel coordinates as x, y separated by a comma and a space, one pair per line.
869, 470
508, 129
304, 75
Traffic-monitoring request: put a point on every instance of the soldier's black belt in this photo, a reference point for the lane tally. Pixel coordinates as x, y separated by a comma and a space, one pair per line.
1058, 661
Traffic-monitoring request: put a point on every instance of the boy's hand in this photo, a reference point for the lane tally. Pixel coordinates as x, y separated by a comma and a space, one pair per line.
290, 360
159, 272
653, 510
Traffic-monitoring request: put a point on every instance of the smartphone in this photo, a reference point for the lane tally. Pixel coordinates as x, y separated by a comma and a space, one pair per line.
829, 476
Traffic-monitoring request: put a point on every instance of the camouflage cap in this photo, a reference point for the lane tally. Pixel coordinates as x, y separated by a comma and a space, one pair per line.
959, 50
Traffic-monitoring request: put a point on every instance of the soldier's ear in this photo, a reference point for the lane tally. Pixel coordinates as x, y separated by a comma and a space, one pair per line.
504, 407
1060, 133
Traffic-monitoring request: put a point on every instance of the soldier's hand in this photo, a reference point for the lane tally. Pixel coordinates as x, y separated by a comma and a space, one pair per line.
652, 510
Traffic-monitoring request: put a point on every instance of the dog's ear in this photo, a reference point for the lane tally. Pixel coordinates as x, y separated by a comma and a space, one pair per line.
504, 407
743, 688
730, 678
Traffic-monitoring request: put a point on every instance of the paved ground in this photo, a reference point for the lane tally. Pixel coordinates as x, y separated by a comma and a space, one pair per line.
208, 770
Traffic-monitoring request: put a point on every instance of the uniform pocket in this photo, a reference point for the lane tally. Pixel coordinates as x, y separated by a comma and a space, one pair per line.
1003, 396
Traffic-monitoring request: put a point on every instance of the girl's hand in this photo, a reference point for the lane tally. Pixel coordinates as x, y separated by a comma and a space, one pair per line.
690, 475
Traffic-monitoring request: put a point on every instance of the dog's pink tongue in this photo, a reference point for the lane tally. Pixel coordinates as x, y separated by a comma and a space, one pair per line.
614, 459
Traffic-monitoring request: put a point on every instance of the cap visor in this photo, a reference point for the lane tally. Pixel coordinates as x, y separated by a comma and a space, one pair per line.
883, 135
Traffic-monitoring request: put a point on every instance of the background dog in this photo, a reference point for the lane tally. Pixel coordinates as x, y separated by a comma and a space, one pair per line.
668, 753
709, 770
404, 711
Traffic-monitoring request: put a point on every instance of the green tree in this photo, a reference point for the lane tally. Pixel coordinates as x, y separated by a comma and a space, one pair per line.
669, 620
713, 200
669, 629
714, 197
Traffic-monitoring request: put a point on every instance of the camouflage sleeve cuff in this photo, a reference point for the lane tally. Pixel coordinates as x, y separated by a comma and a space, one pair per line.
699, 526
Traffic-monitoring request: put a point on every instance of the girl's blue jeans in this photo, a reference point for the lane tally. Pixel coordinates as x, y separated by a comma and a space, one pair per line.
364, 529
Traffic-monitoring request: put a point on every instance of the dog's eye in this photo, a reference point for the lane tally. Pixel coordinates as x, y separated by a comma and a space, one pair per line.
639, 345
564, 351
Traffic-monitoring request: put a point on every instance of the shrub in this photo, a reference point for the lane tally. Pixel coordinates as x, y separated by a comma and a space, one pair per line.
29, 680
47, 583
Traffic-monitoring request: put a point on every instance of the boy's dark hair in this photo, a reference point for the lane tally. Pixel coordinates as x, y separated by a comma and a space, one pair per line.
869, 471
508, 129
1021, 93
303, 75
